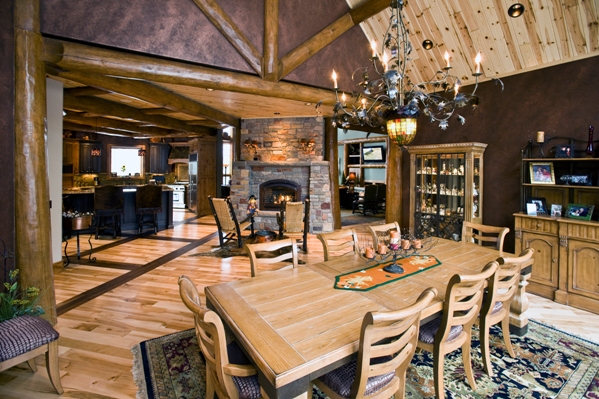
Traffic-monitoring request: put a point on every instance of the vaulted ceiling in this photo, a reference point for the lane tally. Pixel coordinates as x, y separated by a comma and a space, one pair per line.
176, 69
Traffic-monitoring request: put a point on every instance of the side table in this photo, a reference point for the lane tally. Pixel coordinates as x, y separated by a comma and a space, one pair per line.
78, 225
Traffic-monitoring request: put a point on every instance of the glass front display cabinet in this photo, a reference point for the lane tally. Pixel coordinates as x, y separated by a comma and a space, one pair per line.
446, 188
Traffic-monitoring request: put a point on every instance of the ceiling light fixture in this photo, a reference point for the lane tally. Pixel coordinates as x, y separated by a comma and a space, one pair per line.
209, 89
391, 100
515, 10
427, 44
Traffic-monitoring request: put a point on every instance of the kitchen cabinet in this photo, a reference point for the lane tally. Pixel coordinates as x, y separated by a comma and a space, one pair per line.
90, 157
566, 258
70, 157
446, 188
159, 157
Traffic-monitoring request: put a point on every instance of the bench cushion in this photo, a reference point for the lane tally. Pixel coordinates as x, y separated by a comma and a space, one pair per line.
23, 334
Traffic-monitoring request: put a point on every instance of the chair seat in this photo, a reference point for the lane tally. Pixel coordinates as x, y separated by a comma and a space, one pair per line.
341, 379
248, 387
23, 334
429, 330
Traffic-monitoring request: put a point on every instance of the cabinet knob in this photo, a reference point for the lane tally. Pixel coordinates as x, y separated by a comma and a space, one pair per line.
554, 260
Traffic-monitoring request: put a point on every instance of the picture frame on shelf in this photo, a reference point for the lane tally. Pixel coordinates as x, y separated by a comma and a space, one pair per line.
580, 211
531, 209
541, 205
542, 173
556, 210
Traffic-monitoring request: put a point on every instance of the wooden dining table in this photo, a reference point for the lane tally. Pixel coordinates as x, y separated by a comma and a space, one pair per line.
294, 326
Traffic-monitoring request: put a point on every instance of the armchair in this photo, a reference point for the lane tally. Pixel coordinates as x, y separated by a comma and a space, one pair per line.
226, 221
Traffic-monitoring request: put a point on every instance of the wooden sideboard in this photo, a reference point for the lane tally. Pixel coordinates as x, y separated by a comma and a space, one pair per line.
566, 259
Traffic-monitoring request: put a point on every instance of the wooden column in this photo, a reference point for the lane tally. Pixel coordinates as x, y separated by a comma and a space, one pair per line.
331, 154
33, 251
393, 203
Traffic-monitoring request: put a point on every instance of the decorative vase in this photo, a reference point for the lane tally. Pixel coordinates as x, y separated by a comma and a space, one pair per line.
590, 148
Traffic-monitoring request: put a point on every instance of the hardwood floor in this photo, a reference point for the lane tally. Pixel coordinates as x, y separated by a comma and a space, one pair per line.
130, 294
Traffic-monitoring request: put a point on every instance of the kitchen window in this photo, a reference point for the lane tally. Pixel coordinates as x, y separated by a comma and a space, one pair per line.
126, 161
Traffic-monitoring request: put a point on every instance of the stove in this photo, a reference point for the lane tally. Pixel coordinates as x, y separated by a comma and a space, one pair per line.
178, 195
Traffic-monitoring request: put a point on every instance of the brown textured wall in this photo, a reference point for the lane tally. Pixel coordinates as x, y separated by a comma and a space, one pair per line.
559, 100
7, 77
178, 29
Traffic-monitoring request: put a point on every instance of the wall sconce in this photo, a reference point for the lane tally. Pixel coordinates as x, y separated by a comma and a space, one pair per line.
307, 145
252, 145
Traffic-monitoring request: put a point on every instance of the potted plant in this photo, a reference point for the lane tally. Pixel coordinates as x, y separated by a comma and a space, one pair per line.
15, 301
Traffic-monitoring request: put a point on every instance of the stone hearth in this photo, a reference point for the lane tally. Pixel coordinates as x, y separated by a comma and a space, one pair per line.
312, 176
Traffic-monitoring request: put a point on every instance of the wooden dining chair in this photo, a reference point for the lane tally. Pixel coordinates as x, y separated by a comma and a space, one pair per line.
279, 251
453, 328
228, 372
294, 221
378, 231
499, 295
338, 243
226, 221
483, 235
387, 345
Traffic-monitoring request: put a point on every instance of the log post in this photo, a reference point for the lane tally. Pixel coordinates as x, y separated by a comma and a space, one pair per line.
393, 203
331, 154
33, 251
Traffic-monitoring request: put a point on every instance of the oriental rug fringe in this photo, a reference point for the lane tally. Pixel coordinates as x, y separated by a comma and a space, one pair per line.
549, 364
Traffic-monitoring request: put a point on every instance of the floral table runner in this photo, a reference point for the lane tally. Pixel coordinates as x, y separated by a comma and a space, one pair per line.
374, 276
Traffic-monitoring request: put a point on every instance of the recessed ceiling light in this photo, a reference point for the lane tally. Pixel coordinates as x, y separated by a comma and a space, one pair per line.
209, 89
515, 10
427, 44
308, 104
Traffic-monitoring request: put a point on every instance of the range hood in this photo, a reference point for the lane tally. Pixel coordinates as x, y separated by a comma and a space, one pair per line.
179, 153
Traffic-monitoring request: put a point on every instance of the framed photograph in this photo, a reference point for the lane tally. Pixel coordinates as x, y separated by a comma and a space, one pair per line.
542, 173
556, 210
580, 211
531, 209
540, 204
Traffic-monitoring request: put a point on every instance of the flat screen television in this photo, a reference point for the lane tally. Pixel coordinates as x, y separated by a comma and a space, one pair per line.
374, 154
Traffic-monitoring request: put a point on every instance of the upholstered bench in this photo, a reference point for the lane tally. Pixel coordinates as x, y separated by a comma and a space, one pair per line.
25, 337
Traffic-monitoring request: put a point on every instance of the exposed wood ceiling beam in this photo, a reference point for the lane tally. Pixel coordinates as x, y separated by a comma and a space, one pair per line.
105, 107
116, 125
85, 91
232, 33
152, 94
73, 56
271, 40
158, 111
92, 129
326, 36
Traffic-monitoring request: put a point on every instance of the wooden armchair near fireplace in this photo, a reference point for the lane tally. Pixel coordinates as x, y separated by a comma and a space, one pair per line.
294, 221
226, 221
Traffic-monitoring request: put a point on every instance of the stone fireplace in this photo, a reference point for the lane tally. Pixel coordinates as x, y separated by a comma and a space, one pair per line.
276, 165
274, 192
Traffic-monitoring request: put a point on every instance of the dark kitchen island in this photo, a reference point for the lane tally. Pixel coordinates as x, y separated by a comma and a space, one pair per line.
81, 199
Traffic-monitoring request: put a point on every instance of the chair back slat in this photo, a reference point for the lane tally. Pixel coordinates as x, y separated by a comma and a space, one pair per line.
294, 217
339, 243
482, 234
221, 208
380, 232
284, 250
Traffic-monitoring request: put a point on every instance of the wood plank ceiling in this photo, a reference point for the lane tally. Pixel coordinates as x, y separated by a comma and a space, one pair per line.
117, 93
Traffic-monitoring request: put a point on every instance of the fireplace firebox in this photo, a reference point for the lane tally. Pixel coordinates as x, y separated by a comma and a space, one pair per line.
274, 192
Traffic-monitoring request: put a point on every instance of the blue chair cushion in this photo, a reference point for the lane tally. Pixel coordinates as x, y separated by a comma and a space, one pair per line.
248, 387
429, 330
23, 334
341, 379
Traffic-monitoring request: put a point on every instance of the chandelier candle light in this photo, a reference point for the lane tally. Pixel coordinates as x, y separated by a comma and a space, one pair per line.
391, 101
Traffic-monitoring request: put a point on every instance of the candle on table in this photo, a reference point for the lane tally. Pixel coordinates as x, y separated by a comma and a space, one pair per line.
369, 252
394, 237
405, 244
382, 249
417, 243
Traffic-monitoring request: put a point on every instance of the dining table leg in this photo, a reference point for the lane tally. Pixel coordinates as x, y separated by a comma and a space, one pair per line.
519, 306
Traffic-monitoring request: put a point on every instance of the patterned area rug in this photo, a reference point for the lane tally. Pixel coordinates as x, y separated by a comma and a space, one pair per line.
549, 364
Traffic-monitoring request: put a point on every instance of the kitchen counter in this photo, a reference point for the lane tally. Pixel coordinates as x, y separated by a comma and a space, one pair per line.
81, 199
90, 189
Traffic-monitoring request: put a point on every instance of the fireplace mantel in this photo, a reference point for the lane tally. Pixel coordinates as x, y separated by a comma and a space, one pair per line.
280, 163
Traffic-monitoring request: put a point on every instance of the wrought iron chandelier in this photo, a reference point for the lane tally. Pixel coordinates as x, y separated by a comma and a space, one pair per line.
390, 100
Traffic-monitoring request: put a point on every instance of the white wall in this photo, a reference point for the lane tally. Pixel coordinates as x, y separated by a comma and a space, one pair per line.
54, 95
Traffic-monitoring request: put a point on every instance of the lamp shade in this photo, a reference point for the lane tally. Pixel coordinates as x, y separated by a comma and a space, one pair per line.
401, 128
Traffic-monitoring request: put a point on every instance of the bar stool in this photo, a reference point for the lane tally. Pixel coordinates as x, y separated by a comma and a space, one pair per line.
108, 209
148, 201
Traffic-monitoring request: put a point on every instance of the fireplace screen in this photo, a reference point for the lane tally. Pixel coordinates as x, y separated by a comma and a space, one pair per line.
274, 192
